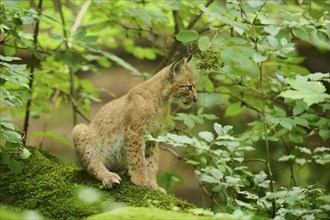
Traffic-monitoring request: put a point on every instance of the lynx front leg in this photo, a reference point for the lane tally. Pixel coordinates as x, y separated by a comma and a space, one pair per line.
136, 158
89, 159
152, 156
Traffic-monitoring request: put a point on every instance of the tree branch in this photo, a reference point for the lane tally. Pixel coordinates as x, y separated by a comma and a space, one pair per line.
29, 101
178, 24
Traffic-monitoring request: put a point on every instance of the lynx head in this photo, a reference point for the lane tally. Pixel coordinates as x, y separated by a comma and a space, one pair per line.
182, 81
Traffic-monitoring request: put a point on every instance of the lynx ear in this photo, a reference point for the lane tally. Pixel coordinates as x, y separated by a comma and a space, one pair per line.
177, 67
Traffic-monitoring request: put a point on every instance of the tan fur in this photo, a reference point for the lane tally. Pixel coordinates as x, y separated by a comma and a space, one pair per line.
114, 140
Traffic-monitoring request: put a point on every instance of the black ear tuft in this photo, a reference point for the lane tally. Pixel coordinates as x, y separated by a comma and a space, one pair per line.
189, 58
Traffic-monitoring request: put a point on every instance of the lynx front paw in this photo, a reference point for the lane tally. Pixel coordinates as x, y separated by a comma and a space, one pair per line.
111, 181
140, 181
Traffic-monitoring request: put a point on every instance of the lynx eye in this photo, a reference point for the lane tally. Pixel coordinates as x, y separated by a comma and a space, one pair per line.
190, 87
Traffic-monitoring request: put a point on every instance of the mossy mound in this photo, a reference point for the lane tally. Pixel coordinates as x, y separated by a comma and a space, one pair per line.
146, 214
7, 213
60, 190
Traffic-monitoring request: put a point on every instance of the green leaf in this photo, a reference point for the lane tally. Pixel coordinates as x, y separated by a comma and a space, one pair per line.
5, 117
304, 150
309, 91
12, 136
301, 33
324, 133
299, 108
210, 116
14, 166
52, 136
189, 122
208, 179
12, 145
322, 158
216, 173
197, 119
300, 121
9, 125
121, 62
208, 84
25, 154
285, 158
218, 129
258, 58
280, 112
232, 180
234, 109
255, 3
245, 205
187, 36
227, 54
8, 59
206, 135
200, 111
300, 161
286, 123
203, 43
322, 36
193, 162
168, 180
272, 30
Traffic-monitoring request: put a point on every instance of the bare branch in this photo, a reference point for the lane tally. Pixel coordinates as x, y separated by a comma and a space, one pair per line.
29, 101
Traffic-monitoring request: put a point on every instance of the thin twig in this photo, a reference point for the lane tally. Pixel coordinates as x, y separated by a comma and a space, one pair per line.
76, 109
248, 105
29, 101
255, 160
292, 178
173, 152
265, 128
206, 191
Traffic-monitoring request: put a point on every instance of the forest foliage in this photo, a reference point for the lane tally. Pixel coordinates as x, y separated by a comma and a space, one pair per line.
269, 114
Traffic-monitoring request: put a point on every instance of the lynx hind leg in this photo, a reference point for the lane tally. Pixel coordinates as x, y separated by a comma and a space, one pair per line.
90, 159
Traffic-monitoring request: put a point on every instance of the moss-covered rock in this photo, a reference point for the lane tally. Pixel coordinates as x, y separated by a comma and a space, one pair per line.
146, 214
60, 190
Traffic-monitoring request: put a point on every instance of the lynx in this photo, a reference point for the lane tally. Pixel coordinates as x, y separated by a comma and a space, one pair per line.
114, 140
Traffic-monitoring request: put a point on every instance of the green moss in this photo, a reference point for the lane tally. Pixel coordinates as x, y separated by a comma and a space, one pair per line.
145, 214
57, 189
9, 213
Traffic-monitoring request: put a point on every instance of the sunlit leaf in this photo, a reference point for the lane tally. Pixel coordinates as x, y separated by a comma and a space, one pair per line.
203, 43
310, 92
206, 135
187, 36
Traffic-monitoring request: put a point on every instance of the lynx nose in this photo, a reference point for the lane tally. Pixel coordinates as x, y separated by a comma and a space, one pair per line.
195, 99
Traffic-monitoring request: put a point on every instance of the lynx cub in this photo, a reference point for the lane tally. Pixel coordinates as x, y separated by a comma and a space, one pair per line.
114, 140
